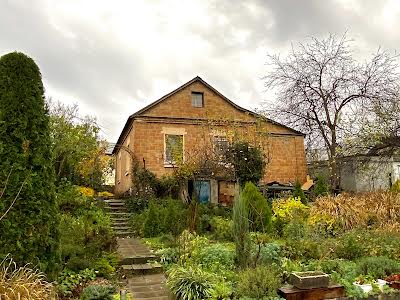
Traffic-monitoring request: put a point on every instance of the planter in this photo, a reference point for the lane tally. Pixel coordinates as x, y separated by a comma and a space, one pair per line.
368, 286
309, 280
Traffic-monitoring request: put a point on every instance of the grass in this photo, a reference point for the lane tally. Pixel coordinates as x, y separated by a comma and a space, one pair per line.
23, 282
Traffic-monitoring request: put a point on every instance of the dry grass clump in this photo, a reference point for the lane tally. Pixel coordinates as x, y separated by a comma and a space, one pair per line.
22, 283
377, 209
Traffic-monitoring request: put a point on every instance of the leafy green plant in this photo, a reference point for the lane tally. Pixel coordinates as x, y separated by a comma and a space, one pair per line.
136, 204
190, 283
221, 228
258, 282
216, 258
69, 280
98, 292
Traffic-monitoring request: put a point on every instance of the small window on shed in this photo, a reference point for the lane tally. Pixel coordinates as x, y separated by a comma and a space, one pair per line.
197, 99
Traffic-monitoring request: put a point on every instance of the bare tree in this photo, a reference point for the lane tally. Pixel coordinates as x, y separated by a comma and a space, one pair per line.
324, 92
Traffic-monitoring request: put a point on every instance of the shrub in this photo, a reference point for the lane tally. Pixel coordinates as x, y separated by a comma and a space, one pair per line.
216, 258
86, 191
221, 228
247, 160
98, 292
22, 282
241, 231
190, 283
375, 209
320, 187
258, 282
29, 230
136, 204
69, 199
175, 219
258, 208
270, 254
152, 225
377, 267
350, 246
69, 281
299, 193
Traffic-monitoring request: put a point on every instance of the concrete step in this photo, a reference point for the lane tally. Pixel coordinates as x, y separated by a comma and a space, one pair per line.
138, 259
121, 215
150, 294
120, 228
119, 220
124, 234
147, 268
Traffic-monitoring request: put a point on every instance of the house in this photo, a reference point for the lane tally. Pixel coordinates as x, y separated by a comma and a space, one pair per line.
362, 173
177, 121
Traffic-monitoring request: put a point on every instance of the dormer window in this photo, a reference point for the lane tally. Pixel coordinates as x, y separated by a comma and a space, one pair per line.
197, 99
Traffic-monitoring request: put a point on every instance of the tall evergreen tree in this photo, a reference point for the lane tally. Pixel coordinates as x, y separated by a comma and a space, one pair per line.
29, 230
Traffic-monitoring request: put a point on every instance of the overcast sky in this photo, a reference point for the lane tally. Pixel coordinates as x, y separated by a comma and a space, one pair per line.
114, 57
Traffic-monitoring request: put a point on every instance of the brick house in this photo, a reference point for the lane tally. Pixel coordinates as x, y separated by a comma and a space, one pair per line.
178, 118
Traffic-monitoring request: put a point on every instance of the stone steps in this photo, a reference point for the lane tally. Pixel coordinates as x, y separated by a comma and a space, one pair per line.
142, 269
149, 287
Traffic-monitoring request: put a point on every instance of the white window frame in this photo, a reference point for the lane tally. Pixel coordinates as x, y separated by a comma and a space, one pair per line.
173, 131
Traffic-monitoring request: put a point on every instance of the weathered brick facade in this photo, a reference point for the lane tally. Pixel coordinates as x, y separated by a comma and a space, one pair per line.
144, 134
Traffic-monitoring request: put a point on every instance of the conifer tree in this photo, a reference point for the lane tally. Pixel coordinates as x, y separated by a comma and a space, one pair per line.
29, 230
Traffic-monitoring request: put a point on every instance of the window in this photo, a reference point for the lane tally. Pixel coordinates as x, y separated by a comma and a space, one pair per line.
197, 99
220, 144
173, 149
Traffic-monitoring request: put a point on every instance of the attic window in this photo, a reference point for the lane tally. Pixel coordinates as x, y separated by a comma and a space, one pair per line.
197, 99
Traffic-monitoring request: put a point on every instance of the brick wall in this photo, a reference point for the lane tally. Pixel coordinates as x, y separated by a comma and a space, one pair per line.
284, 148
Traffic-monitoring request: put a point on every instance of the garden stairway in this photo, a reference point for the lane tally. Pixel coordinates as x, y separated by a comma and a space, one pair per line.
119, 217
144, 274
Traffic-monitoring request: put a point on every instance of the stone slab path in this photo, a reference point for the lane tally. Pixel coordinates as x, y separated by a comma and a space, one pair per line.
143, 273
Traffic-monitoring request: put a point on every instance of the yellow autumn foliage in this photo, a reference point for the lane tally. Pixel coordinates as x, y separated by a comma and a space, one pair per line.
86, 191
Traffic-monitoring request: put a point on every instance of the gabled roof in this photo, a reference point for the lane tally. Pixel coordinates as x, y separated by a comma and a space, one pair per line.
196, 79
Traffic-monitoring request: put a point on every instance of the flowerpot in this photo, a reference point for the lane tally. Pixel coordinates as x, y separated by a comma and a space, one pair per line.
309, 280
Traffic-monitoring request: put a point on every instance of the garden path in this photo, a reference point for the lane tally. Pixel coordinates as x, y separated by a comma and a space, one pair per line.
144, 275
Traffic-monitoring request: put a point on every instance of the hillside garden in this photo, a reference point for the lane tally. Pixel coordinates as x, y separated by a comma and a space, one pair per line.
249, 251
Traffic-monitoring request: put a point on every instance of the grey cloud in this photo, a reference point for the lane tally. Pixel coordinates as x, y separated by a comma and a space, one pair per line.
102, 73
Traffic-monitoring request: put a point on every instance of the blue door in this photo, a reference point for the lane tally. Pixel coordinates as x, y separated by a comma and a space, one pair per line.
202, 190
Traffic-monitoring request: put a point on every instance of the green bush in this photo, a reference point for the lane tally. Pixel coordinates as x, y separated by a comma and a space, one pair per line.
190, 283
136, 204
221, 228
161, 217
260, 214
320, 187
240, 231
350, 246
377, 267
216, 258
298, 192
247, 160
258, 282
30, 229
270, 253
69, 280
98, 292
